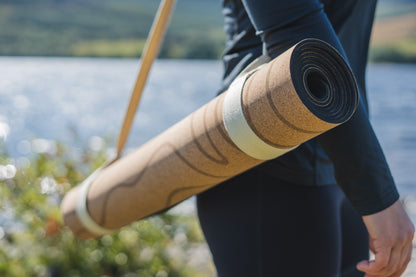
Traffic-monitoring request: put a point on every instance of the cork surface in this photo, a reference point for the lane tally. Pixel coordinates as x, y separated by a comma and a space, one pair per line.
197, 153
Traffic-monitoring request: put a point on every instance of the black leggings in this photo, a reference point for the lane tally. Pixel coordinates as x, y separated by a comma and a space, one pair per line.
257, 227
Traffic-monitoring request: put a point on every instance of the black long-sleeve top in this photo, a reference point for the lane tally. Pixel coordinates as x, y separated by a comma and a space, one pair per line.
349, 154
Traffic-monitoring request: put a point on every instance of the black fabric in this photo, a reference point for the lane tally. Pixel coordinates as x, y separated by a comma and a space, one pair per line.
286, 217
360, 166
284, 230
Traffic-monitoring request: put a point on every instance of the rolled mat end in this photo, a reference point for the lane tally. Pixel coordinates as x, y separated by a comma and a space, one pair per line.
324, 81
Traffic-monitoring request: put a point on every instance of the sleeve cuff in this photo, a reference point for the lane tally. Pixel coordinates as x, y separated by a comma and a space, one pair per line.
372, 206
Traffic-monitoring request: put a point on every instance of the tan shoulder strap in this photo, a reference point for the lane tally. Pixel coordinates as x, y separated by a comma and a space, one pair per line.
150, 52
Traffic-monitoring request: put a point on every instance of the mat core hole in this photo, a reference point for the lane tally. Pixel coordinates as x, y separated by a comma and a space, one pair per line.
318, 86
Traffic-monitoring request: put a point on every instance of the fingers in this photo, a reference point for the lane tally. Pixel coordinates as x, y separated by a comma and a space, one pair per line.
391, 234
387, 262
406, 257
396, 261
379, 264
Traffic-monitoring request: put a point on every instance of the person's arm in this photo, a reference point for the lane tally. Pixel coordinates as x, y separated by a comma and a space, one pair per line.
360, 167
391, 234
363, 174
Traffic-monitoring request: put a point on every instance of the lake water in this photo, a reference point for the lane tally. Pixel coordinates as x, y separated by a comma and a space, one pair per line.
76, 100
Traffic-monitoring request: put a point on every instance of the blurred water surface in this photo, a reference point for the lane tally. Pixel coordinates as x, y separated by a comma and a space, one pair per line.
79, 100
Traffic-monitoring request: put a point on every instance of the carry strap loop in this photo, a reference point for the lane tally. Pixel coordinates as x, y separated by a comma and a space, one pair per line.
150, 52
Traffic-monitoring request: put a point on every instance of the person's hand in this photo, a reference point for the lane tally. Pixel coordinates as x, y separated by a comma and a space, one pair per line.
391, 234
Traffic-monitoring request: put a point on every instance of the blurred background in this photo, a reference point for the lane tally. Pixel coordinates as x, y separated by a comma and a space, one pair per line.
67, 68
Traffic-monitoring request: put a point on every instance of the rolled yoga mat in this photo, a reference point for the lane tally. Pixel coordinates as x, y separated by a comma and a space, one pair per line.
265, 113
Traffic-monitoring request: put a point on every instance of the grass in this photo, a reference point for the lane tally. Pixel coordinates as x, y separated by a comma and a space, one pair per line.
108, 48
403, 51
394, 39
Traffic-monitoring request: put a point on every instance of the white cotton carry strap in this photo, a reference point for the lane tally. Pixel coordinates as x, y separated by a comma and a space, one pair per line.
150, 52
238, 128
82, 210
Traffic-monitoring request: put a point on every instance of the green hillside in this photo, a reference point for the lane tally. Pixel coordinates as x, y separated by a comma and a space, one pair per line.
394, 39
394, 33
393, 8
107, 28
118, 28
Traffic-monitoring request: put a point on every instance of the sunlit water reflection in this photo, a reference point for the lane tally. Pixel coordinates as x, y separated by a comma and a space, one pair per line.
81, 101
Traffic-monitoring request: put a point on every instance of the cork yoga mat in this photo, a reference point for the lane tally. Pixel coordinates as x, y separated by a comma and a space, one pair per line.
266, 112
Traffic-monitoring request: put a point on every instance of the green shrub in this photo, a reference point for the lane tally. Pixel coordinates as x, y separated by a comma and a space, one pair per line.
34, 242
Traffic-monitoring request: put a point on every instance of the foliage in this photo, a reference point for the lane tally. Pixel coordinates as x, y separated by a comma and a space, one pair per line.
403, 51
34, 242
